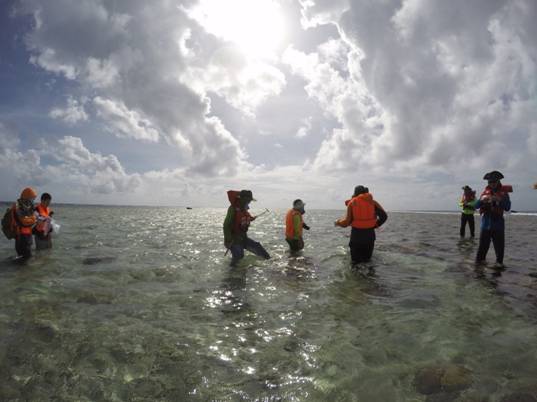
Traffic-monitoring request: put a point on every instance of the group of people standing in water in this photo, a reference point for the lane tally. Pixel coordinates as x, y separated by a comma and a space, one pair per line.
26, 221
364, 215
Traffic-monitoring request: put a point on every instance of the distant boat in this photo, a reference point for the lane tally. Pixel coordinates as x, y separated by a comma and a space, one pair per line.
188, 207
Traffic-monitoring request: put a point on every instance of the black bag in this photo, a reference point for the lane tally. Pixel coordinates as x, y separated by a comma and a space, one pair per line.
8, 225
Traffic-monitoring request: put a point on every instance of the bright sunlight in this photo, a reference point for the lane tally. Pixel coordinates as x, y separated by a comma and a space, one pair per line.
255, 26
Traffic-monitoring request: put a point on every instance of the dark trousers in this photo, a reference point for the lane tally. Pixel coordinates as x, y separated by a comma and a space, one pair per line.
295, 244
470, 219
43, 242
237, 250
362, 244
361, 252
498, 240
23, 245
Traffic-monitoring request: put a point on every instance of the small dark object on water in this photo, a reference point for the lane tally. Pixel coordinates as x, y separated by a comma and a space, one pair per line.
97, 260
188, 207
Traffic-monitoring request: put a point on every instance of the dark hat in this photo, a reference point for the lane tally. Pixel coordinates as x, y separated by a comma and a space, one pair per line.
467, 188
246, 195
298, 204
360, 190
493, 176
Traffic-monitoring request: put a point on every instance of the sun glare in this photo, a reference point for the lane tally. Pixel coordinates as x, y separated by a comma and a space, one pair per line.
255, 26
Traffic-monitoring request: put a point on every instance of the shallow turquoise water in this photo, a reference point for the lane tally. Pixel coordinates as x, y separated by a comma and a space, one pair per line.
139, 304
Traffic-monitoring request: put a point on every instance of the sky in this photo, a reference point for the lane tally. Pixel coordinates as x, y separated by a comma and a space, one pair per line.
174, 102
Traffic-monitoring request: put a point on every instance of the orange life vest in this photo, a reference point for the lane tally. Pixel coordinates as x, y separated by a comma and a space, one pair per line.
290, 224
43, 212
24, 223
363, 212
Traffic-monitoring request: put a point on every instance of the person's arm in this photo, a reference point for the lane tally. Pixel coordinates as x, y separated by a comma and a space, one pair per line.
228, 225
382, 216
297, 226
505, 203
478, 204
471, 204
25, 220
348, 219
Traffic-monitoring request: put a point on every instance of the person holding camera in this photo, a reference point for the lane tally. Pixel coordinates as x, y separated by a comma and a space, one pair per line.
493, 202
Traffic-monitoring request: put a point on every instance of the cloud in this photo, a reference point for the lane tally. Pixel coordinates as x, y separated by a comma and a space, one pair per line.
124, 122
304, 130
424, 85
132, 61
72, 113
74, 170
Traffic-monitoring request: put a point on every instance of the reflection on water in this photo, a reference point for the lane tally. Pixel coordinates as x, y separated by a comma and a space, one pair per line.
140, 304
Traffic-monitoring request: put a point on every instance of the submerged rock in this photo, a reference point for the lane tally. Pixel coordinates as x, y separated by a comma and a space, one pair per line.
97, 260
442, 379
519, 397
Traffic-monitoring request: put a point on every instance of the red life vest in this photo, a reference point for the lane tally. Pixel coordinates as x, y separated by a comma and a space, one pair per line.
41, 223
290, 224
363, 212
242, 218
488, 208
242, 221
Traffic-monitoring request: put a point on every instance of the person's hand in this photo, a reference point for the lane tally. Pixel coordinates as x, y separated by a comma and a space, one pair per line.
306, 226
51, 213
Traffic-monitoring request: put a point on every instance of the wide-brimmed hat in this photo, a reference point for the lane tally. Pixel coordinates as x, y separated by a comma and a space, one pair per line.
467, 188
493, 176
246, 195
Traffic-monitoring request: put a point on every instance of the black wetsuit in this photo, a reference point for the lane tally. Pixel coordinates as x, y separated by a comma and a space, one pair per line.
362, 241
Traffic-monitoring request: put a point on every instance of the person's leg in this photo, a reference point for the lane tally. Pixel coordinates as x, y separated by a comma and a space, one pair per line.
357, 252
471, 223
237, 253
256, 248
498, 240
23, 245
295, 245
484, 244
368, 250
463, 225
42, 242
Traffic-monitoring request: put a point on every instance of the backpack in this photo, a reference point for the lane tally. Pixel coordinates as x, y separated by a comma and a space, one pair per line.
8, 225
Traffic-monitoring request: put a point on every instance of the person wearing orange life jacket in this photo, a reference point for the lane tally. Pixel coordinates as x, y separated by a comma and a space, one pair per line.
467, 203
236, 226
43, 228
493, 202
364, 215
294, 225
25, 219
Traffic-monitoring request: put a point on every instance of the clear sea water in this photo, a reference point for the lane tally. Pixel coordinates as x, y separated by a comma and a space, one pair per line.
139, 304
